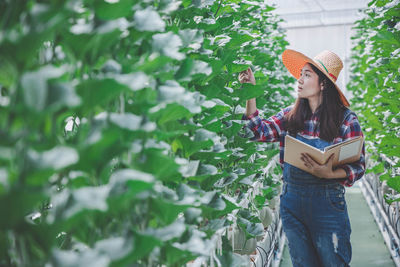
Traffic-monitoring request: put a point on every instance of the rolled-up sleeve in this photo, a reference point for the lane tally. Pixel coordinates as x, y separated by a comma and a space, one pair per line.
356, 169
266, 130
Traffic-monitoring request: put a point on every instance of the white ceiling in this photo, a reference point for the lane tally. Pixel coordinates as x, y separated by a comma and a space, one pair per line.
308, 13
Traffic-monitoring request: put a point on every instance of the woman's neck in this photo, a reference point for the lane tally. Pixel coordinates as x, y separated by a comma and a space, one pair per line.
314, 103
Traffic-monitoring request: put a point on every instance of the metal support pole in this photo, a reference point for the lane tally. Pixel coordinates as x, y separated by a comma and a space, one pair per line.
383, 221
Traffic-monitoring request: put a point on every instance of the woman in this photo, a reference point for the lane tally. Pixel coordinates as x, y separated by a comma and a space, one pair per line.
313, 208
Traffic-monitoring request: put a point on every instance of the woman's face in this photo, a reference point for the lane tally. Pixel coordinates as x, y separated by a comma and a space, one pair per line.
308, 85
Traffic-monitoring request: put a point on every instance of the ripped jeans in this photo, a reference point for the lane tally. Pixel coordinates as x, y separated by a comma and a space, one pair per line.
316, 224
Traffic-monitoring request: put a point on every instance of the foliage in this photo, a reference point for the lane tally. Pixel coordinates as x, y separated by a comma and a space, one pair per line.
121, 133
376, 85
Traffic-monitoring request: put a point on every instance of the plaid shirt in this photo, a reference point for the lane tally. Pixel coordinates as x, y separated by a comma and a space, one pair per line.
271, 130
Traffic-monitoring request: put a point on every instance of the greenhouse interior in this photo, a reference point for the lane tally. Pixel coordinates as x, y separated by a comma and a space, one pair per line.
184, 133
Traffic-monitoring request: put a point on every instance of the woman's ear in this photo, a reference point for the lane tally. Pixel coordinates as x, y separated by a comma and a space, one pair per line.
323, 83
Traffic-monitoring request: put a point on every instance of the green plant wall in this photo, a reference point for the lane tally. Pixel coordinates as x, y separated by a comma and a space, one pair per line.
121, 140
375, 84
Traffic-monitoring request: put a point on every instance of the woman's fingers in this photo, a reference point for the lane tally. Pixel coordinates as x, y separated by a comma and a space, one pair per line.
249, 72
246, 76
243, 77
307, 160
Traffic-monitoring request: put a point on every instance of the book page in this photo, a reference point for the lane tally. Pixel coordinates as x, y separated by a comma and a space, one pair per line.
340, 143
350, 150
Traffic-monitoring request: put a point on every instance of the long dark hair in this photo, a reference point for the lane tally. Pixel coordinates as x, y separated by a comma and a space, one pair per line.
330, 111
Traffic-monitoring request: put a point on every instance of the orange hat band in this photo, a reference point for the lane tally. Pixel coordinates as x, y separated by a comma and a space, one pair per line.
330, 74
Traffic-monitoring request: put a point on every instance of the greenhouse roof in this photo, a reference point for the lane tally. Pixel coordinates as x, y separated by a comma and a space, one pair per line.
309, 13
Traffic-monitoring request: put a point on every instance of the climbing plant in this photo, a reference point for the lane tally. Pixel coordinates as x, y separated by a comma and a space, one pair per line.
376, 87
121, 133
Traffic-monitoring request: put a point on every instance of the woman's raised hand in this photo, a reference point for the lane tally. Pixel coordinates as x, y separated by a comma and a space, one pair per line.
247, 76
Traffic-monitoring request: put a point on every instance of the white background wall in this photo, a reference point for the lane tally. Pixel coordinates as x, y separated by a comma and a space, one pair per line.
316, 25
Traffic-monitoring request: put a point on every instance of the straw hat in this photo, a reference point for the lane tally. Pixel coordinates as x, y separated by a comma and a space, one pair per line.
327, 62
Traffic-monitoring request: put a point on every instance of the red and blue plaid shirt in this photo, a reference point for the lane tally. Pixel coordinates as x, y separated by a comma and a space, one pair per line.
272, 130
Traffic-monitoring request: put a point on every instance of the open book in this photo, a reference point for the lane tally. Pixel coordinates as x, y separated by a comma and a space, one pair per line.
345, 152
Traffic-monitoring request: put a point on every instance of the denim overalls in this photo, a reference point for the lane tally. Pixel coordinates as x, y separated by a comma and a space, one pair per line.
314, 217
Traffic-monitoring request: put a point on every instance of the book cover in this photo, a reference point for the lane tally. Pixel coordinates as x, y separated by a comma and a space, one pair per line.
345, 152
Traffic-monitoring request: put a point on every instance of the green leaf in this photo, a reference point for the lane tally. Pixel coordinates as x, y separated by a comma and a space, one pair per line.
35, 88
109, 11
251, 229
168, 44
99, 92
115, 247
130, 122
227, 180
57, 158
191, 37
135, 81
229, 258
249, 91
233, 129
176, 256
137, 181
217, 207
377, 169
148, 20
172, 231
394, 183
21, 203
68, 203
196, 244
185, 69
165, 210
143, 245
8, 73
90, 46
79, 258
161, 166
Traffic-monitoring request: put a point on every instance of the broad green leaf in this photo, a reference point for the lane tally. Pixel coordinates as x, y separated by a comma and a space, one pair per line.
196, 244
143, 245
192, 216
172, 231
166, 211
185, 69
8, 73
109, 10
62, 95
69, 203
114, 247
164, 168
131, 122
249, 91
148, 20
135, 81
394, 183
168, 44
251, 229
170, 91
191, 37
207, 169
82, 258
229, 258
177, 257
190, 168
35, 86
377, 169
98, 92
21, 203
138, 181
225, 181
170, 113
57, 158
